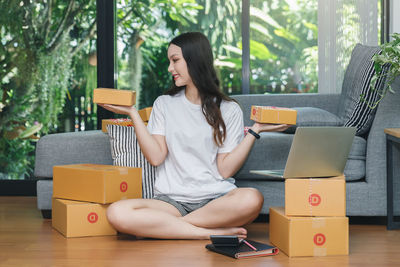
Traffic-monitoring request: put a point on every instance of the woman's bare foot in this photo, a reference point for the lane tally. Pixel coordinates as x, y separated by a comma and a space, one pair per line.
239, 231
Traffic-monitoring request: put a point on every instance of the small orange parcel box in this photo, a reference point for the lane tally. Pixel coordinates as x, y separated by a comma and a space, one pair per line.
269, 114
96, 183
315, 196
114, 97
121, 122
78, 219
308, 236
145, 113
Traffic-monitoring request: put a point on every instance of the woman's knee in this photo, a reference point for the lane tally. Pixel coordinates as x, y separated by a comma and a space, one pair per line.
115, 215
120, 215
251, 200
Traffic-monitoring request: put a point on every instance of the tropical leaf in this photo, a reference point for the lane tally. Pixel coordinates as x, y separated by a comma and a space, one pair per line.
258, 13
261, 29
260, 51
287, 35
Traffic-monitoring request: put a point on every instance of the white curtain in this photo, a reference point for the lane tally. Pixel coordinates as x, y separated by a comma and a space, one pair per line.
341, 25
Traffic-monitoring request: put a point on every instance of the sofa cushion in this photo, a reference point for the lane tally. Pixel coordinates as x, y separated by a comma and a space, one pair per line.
355, 165
71, 148
309, 116
352, 109
126, 151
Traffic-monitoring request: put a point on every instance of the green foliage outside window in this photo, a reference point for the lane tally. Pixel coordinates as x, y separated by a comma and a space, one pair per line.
39, 41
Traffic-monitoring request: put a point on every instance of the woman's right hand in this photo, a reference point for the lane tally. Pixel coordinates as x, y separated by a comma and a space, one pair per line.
119, 109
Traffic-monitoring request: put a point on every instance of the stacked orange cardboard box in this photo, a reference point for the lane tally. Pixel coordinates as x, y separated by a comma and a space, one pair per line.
114, 96
270, 114
82, 193
313, 221
144, 114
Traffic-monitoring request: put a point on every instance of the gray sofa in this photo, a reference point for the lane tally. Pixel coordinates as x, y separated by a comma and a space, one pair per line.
365, 170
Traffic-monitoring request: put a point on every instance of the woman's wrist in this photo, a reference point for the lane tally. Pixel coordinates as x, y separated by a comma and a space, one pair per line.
133, 113
253, 133
255, 128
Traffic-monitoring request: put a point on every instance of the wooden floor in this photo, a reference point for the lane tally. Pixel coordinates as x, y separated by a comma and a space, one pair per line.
28, 240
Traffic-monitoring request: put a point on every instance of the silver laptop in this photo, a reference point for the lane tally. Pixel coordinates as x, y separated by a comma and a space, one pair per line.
316, 152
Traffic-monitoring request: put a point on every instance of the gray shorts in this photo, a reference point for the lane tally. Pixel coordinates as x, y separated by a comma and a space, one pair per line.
183, 207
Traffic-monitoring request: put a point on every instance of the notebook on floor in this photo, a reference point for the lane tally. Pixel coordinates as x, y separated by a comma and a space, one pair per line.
237, 248
316, 152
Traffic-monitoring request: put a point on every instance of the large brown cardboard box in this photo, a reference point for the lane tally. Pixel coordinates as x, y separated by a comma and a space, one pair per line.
77, 219
315, 196
308, 236
114, 96
96, 183
269, 114
145, 113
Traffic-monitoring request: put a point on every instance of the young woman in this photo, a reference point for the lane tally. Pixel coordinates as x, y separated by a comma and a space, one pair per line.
195, 137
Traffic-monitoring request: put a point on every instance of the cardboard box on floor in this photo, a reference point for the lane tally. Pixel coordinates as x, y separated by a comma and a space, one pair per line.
308, 236
96, 183
114, 97
269, 114
78, 219
315, 196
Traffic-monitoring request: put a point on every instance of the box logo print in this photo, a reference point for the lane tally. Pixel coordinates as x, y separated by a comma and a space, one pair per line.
319, 239
123, 187
314, 199
92, 217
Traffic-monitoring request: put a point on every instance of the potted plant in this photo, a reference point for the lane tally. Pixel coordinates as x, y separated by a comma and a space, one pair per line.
387, 68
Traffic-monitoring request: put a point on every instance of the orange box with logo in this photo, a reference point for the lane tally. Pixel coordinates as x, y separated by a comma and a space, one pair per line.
270, 114
145, 113
96, 183
308, 236
78, 219
315, 196
114, 96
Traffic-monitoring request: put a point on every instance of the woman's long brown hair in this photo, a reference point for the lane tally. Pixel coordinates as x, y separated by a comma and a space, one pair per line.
196, 50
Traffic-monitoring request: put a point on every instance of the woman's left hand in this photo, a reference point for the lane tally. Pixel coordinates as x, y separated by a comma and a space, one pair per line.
268, 127
124, 110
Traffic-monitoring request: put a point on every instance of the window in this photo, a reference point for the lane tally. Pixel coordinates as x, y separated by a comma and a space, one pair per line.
142, 42
283, 46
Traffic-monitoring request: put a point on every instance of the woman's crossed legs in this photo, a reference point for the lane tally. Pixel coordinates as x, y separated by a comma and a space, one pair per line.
158, 219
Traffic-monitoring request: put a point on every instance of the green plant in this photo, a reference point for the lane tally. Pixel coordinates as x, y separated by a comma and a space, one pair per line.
387, 68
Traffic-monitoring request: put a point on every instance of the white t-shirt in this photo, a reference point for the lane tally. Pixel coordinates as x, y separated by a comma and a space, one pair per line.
189, 172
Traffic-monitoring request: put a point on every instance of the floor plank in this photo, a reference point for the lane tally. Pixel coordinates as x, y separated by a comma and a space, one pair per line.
28, 240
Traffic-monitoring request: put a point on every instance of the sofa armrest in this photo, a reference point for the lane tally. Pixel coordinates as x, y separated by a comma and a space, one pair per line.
328, 102
71, 148
270, 152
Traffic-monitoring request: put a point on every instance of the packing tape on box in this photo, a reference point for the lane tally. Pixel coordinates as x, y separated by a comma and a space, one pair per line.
311, 193
278, 115
320, 252
318, 223
123, 171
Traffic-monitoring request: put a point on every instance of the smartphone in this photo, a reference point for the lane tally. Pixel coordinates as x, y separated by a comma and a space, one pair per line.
225, 240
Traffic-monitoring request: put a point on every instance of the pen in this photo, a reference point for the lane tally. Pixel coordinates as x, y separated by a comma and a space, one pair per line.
248, 244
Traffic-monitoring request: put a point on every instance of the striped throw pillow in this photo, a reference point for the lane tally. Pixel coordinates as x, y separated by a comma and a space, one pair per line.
126, 152
353, 111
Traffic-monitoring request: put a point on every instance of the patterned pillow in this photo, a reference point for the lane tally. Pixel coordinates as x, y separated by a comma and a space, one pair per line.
352, 109
125, 151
